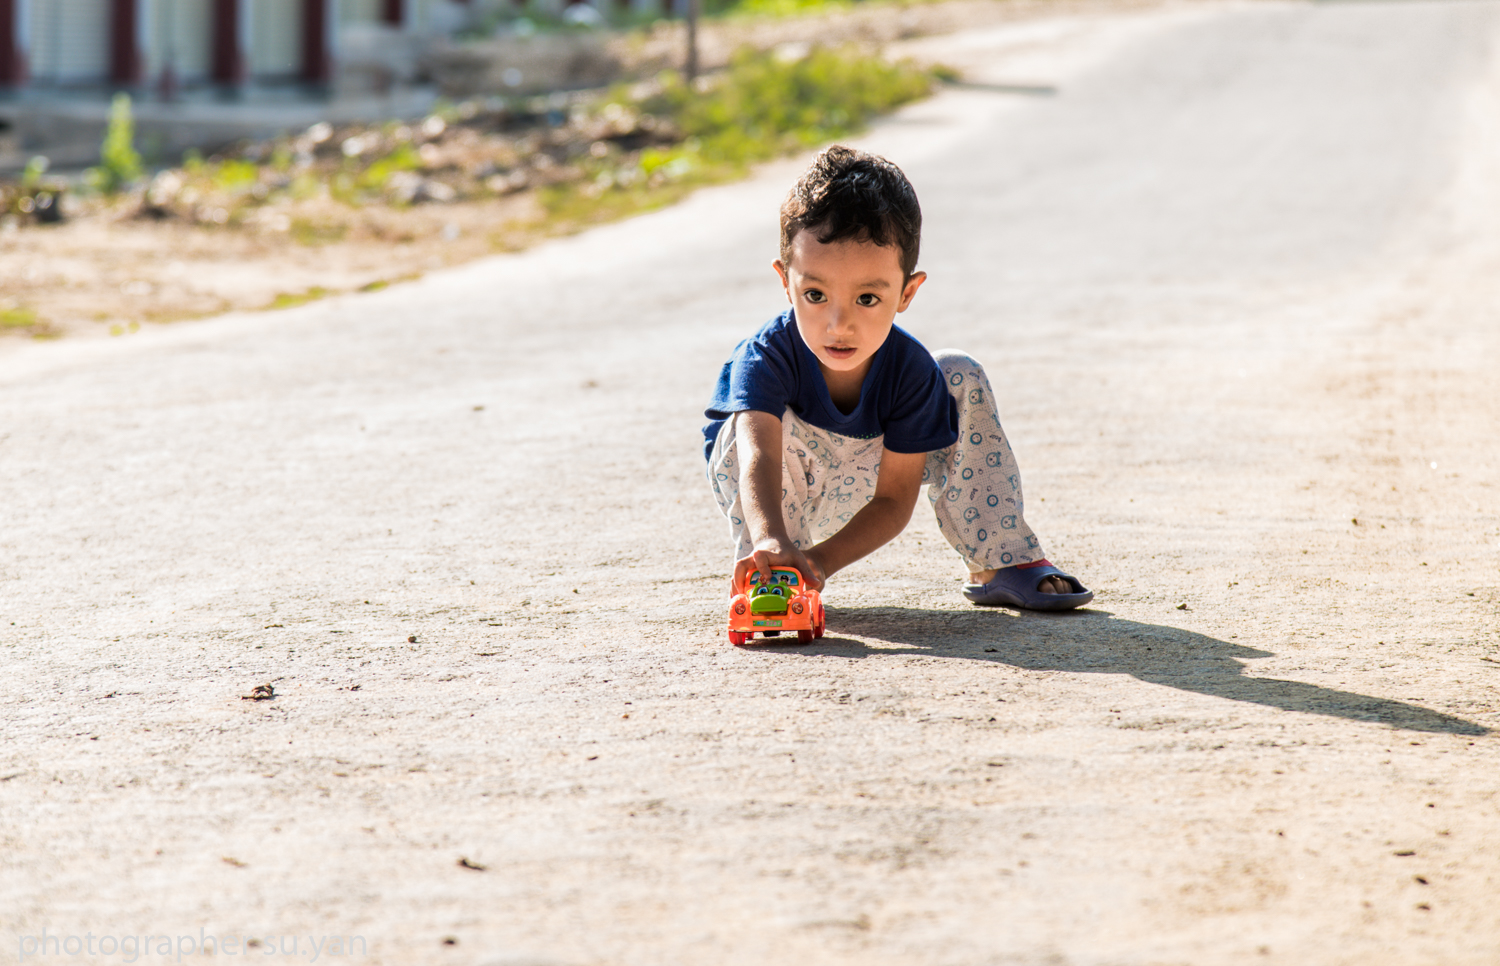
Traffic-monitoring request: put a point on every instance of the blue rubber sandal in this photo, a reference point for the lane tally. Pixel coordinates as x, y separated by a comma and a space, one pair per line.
1014, 587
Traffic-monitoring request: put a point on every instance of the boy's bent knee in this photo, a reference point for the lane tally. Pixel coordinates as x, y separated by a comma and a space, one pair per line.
957, 362
964, 375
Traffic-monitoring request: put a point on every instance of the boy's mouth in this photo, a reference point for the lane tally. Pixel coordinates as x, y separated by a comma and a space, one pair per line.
840, 351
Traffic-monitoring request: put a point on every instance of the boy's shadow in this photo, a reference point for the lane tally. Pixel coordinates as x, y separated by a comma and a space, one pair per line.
1093, 640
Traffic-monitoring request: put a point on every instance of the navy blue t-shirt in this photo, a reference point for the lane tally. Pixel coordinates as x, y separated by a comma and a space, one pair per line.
903, 396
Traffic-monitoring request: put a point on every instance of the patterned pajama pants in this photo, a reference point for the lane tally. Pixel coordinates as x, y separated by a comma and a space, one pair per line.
973, 485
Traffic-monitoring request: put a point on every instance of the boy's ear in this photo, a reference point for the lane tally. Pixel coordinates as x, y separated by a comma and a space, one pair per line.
909, 292
780, 273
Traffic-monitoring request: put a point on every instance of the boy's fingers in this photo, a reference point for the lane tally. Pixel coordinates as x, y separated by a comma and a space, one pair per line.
764, 560
742, 569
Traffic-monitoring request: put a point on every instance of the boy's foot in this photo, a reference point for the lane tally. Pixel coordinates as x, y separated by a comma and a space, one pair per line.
1036, 586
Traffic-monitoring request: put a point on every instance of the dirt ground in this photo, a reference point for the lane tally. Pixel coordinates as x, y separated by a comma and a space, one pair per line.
1234, 269
106, 273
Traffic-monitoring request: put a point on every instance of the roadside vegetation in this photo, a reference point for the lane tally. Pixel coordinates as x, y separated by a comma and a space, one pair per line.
576, 160
531, 17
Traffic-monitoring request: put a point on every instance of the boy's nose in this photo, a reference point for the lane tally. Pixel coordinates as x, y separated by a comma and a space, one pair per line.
840, 321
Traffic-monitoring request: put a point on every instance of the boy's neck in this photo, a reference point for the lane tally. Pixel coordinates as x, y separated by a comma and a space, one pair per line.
844, 387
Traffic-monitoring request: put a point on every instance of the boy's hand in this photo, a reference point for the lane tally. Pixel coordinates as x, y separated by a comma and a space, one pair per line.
775, 553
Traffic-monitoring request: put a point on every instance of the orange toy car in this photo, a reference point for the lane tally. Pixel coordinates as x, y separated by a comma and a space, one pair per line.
771, 607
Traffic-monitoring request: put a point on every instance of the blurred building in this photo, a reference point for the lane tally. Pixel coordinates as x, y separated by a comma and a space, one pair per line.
206, 73
170, 44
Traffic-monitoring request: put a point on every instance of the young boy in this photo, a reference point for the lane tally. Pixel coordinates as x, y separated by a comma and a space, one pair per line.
827, 421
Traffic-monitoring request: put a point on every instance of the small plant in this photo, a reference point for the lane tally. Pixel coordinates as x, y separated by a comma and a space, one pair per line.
119, 162
31, 177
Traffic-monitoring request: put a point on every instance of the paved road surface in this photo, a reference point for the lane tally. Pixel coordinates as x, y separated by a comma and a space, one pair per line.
1236, 282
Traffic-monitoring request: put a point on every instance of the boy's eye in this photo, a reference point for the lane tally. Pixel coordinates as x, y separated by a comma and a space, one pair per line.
813, 295
868, 300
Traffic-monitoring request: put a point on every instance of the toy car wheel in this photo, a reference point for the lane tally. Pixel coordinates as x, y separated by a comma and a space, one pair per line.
821, 625
806, 636
738, 637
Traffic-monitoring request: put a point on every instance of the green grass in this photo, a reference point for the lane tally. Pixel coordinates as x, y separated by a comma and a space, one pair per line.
773, 9
384, 283
234, 175
763, 106
290, 300
374, 178
780, 8
308, 232
17, 318
766, 106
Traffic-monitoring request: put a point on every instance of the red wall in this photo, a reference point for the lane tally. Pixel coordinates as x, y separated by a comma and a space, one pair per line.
126, 65
12, 57
317, 60
229, 47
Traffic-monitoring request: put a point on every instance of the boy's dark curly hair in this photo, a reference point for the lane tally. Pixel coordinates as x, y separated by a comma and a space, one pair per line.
848, 194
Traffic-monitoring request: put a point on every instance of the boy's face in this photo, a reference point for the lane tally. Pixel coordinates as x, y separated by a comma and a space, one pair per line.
846, 295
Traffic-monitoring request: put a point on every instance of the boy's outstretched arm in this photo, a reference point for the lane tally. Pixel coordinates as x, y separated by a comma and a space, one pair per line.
758, 446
